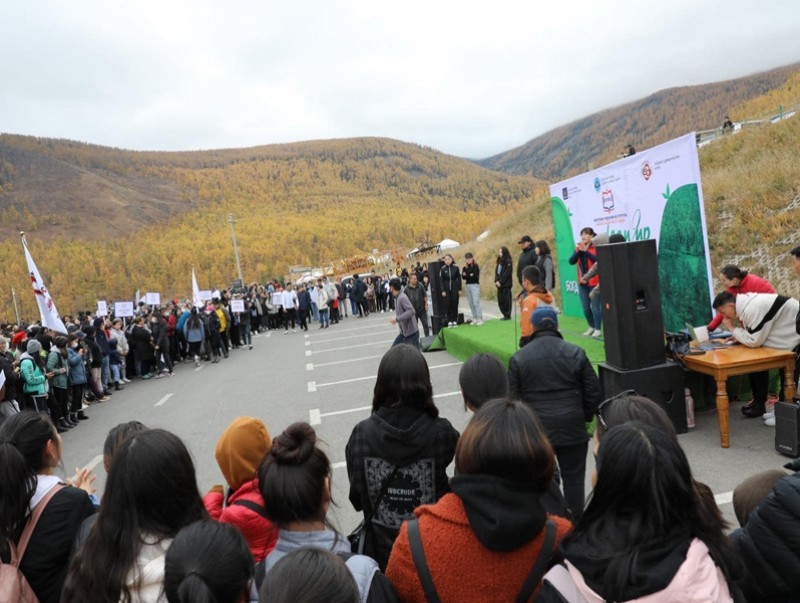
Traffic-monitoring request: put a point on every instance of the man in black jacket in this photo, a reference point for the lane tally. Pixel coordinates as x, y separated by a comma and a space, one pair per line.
527, 257
556, 379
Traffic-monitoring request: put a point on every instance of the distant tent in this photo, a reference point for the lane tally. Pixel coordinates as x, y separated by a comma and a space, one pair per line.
448, 244
484, 235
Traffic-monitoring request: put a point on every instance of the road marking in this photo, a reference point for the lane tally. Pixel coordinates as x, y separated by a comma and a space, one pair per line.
164, 399
350, 347
724, 498
305, 336
340, 465
353, 380
308, 352
339, 331
314, 417
348, 360
91, 465
447, 394
307, 343
310, 366
316, 340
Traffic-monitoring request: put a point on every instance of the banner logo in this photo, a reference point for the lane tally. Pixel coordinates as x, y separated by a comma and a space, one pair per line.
647, 170
608, 201
597, 185
565, 193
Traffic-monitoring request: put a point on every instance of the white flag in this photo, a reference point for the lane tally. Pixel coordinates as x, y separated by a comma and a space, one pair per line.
137, 297
196, 292
47, 309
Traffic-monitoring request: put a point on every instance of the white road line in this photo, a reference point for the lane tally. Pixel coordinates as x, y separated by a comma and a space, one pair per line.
90, 465
724, 498
312, 386
310, 366
314, 417
316, 340
308, 352
447, 394
353, 380
164, 399
307, 343
348, 360
305, 336
340, 465
350, 347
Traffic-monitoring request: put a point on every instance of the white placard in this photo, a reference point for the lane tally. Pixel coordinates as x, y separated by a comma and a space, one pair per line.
237, 305
205, 295
152, 299
123, 309
102, 308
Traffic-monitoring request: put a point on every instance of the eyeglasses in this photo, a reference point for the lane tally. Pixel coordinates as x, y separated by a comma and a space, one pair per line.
599, 412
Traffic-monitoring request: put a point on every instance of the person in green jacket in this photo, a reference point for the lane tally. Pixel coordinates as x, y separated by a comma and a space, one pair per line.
58, 366
32, 369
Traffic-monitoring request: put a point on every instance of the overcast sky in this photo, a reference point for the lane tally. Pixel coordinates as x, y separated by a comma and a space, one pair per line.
468, 78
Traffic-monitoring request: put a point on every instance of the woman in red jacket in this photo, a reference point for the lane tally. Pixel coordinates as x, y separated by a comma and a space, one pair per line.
240, 450
493, 522
738, 281
585, 257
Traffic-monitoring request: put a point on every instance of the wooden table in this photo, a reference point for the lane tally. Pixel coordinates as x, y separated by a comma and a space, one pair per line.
740, 360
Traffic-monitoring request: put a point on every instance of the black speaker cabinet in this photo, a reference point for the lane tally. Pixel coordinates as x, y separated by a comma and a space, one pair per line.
633, 323
439, 305
787, 428
662, 383
437, 323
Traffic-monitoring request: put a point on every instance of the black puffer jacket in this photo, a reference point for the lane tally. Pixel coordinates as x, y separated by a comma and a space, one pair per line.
556, 379
527, 258
450, 278
769, 544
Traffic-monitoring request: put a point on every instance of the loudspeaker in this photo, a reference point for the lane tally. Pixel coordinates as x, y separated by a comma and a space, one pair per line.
439, 303
633, 323
662, 383
425, 343
787, 428
437, 322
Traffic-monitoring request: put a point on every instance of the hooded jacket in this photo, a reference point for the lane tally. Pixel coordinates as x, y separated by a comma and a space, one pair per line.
491, 525
556, 379
239, 452
34, 380
685, 575
779, 332
421, 447
450, 278
749, 284
77, 367
769, 544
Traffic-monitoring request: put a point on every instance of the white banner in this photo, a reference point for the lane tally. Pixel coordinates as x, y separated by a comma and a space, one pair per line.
47, 308
197, 301
237, 305
123, 309
655, 194
152, 299
102, 308
205, 295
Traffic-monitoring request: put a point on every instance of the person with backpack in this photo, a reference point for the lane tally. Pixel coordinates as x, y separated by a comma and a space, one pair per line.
34, 376
194, 333
295, 485
39, 514
58, 366
240, 450
494, 520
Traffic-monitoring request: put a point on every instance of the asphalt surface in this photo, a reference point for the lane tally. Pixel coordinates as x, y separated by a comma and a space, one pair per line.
326, 377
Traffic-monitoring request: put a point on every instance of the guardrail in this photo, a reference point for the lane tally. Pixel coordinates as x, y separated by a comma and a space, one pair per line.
705, 137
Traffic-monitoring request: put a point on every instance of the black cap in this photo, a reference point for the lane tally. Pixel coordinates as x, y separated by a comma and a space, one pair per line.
525, 239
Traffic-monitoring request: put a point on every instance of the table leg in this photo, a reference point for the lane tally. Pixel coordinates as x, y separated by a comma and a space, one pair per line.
722, 412
788, 381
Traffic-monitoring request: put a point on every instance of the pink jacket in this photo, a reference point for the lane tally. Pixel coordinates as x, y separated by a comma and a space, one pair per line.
698, 580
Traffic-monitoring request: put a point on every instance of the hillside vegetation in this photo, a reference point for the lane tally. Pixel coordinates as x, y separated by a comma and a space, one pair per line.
304, 203
599, 138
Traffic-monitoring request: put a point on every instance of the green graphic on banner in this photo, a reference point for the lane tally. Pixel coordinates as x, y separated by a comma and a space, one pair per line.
682, 261
562, 225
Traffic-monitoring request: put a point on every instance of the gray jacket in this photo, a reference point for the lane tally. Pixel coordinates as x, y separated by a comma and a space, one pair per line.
406, 315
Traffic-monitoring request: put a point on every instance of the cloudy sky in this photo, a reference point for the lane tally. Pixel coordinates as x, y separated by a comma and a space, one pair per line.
469, 78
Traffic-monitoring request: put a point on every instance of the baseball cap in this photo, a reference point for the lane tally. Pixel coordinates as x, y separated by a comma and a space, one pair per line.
544, 318
525, 239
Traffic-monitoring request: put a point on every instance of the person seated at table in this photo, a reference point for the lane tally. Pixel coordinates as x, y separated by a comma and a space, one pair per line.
766, 320
738, 281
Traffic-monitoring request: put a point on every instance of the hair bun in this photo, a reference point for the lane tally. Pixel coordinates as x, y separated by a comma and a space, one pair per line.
295, 445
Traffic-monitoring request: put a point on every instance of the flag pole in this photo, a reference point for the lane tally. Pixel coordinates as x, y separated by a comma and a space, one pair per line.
16, 309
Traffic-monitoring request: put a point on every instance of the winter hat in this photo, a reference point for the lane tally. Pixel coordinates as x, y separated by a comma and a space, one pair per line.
34, 347
240, 450
544, 318
752, 492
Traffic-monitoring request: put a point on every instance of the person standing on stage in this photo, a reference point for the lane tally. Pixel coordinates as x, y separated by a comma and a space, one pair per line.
471, 273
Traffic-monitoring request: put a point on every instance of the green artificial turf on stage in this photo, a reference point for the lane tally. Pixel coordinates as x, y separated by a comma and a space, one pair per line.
500, 338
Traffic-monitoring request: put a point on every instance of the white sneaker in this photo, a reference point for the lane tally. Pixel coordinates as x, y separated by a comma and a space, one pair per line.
286, 332
597, 333
589, 332
478, 323
768, 415
294, 330
770, 422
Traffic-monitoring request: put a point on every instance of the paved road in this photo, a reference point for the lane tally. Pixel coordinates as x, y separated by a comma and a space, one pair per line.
326, 377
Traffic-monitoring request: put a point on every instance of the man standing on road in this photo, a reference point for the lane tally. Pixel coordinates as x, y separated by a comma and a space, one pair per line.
527, 257
471, 274
405, 316
557, 381
419, 299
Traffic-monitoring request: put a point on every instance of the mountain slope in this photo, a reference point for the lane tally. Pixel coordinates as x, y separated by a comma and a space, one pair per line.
598, 138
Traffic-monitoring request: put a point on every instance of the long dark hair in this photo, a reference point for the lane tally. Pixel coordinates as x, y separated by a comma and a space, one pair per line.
309, 574
644, 494
151, 489
731, 272
23, 438
482, 378
193, 322
504, 257
404, 380
208, 562
292, 476
544, 248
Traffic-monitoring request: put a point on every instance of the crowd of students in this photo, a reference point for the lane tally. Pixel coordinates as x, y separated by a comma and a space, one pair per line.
649, 532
